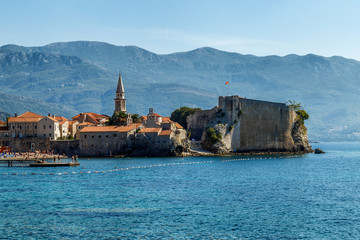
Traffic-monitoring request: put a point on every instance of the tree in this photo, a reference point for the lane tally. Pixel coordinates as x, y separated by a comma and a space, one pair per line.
136, 118
301, 113
117, 119
180, 114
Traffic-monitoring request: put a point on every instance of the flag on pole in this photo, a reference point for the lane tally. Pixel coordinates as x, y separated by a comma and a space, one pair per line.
227, 82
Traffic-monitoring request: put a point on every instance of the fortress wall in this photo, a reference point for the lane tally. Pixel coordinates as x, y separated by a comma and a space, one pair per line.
264, 126
34, 143
197, 122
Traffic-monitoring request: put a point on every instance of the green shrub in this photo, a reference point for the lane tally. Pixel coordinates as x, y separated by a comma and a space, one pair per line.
180, 115
230, 128
302, 115
213, 135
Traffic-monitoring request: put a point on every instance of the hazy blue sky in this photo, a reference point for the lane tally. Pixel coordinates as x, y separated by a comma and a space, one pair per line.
259, 27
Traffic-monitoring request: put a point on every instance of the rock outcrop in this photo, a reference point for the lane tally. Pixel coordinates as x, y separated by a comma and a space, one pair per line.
319, 151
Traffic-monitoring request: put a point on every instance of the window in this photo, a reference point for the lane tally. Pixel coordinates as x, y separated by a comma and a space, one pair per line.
44, 135
27, 126
107, 136
35, 127
13, 127
49, 126
115, 135
44, 127
92, 136
50, 135
85, 136
99, 136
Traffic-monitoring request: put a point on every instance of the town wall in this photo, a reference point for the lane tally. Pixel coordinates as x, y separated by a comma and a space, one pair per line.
28, 144
262, 125
197, 122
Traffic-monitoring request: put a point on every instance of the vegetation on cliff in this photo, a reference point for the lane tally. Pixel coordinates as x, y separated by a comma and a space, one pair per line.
180, 115
212, 135
302, 115
299, 131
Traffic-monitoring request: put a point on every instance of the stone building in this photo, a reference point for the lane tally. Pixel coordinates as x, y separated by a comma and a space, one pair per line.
106, 140
49, 127
90, 117
24, 125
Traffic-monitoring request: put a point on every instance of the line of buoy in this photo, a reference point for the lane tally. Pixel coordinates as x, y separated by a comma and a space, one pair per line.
150, 166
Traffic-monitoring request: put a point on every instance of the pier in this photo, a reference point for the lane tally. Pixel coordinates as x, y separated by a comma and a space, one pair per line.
37, 161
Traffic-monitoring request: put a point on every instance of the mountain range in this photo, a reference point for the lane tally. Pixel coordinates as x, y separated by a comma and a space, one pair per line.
70, 77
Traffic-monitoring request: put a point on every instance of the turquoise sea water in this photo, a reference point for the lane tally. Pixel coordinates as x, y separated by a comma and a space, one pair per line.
304, 197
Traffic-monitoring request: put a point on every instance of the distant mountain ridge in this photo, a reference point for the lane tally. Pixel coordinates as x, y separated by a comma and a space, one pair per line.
82, 76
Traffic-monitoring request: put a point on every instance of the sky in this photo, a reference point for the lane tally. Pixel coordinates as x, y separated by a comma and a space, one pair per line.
258, 27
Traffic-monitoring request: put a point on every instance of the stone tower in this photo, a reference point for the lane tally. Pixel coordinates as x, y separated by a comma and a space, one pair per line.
120, 101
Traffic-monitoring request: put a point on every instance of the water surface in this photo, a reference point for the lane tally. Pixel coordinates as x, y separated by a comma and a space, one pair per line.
303, 197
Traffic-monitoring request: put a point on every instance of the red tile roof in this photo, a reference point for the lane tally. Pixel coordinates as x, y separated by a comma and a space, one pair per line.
60, 118
94, 116
165, 132
26, 117
149, 130
62, 122
178, 126
87, 124
111, 128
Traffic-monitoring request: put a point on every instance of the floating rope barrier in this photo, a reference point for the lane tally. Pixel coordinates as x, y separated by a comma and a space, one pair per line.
151, 166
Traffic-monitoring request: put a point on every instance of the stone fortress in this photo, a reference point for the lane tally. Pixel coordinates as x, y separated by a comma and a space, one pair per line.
247, 125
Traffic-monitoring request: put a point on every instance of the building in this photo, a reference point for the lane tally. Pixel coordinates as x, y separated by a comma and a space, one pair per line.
24, 125
120, 101
64, 126
49, 127
90, 117
106, 140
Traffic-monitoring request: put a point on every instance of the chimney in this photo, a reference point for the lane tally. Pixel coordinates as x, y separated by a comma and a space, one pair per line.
49, 114
53, 116
15, 114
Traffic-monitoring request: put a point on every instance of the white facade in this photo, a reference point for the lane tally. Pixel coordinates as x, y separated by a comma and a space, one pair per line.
48, 127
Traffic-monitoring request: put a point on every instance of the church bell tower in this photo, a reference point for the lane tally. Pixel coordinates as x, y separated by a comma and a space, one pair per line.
120, 101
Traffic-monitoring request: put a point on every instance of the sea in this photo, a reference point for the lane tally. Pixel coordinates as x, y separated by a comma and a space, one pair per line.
310, 196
